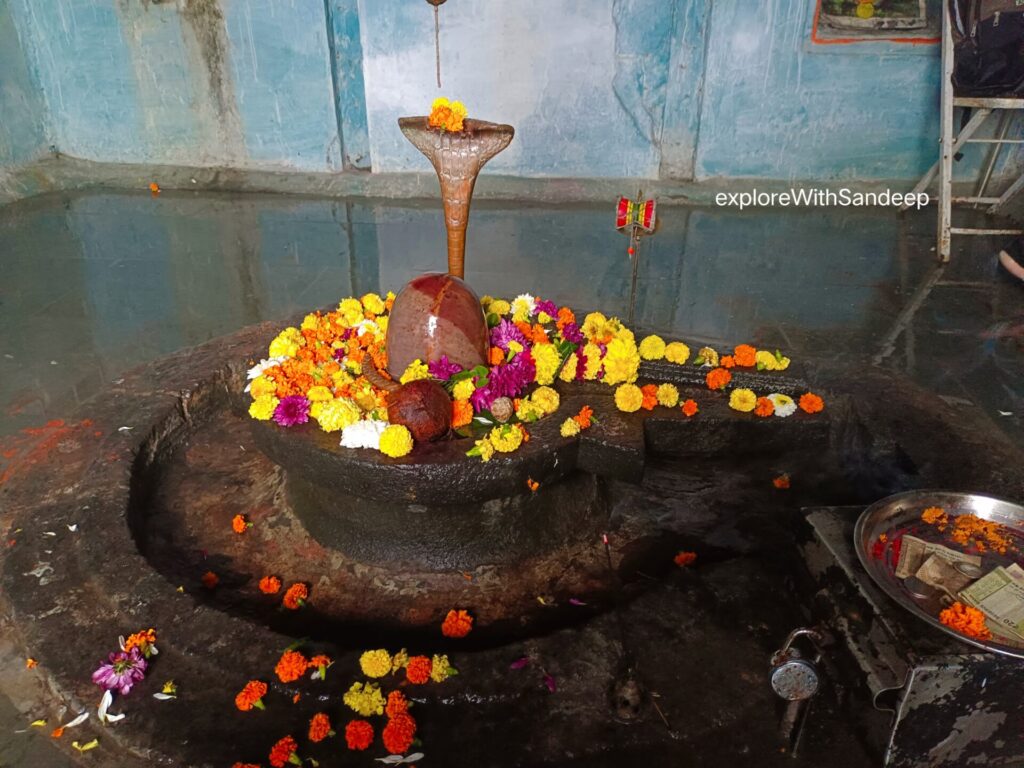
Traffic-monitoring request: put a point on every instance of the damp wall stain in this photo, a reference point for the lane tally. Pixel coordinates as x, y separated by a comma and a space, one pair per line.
595, 88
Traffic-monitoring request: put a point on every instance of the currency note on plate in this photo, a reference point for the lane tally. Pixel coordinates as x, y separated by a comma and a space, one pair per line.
999, 594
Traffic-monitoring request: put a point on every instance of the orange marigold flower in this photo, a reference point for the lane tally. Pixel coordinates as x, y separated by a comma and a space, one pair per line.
727, 361
650, 393
418, 670
251, 695
811, 403
781, 482
538, 336
270, 585
291, 666
398, 734
457, 624
154, 188
320, 727
584, 417
690, 407
746, 355
358, 734
935, 516
764, 407
966, 620
684, 559
397, 704
239, 524
210, 580
296, 596
565, 316
718, 378
495, 355
462, 413
141, 640
281, 753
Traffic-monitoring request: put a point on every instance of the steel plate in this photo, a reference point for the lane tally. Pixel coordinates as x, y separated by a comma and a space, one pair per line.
898, 515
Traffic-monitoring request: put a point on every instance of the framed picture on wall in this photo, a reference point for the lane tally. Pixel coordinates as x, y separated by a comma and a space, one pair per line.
874, 14
898, 21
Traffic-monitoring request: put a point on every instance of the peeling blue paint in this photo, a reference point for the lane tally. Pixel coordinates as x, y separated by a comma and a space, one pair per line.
22, 113
595, 88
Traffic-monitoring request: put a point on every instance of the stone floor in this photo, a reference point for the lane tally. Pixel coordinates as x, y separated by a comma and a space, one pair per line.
95, 283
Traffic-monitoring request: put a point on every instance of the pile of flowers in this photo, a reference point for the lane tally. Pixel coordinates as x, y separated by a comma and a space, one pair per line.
316, 372
319, 372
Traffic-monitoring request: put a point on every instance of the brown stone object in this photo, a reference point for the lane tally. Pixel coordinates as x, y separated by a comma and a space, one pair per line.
457, 157
436, 315
423, 407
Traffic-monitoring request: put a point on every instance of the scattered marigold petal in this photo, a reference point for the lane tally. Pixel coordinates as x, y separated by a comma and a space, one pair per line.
782, 481
684, 559
210, 580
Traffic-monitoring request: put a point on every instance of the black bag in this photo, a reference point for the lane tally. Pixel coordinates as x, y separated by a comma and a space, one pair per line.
988, 47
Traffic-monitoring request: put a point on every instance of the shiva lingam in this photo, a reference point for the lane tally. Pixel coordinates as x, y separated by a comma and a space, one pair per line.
438, 314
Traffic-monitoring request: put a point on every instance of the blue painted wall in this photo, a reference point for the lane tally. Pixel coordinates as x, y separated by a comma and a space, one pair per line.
595, 88
22, 112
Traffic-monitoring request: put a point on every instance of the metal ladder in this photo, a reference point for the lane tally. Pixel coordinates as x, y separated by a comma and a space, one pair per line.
950, 145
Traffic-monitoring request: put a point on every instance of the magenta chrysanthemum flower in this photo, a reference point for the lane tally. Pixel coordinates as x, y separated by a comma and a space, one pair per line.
548, 307
504, 332
443, 369
292, 410
506, 380
571, 332
124, 670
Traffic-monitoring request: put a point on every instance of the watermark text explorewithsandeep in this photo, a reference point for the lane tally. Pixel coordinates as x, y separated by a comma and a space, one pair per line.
821, 198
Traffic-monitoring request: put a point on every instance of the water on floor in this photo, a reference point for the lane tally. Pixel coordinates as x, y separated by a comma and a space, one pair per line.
95, 283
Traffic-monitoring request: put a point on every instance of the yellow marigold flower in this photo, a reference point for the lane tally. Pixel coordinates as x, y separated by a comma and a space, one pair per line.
568, 372
365, 699
570, 427
621, 362
373, 303
528, 411
310, 322
515, 347
628, 398
395, 441
544, 318
350, 312
742, 400
356, 369
486, 449
263, 407
287, 343
546, 399
319, 393
315, 408
707, 356
341, 378
668, 395
546, 359
506, 438
416, 370
592, 323
520, 310
677, 352
382, 324
485, 301
783, 364
499, 307
375, 663
441, 669
652, 348
261, 385
463, 389
337, 414
594, 362
765, 360
399, 660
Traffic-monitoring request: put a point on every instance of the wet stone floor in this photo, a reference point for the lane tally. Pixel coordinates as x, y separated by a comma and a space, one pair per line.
94, 284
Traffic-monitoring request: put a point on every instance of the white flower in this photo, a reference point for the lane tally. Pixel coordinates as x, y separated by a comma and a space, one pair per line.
784, 404
363, 434
524, 304
263, 365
